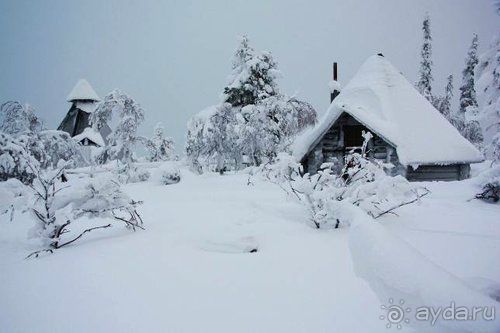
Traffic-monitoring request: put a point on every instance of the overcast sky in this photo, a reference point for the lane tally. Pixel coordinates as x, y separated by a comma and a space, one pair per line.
173, 57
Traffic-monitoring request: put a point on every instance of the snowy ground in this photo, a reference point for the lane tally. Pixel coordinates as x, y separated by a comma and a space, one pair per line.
191, 270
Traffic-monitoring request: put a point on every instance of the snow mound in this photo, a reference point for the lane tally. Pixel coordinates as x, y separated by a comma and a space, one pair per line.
170, 173
397, 271
381, 98
82, 91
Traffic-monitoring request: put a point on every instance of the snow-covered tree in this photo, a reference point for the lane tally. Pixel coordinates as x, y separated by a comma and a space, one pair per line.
443, 104
488, 88
488, 94
269, 127
219, 141
254, 122
424, 84
253, 77
18, 119
468, 87
468, 112
209, 138
124, 136
160, 147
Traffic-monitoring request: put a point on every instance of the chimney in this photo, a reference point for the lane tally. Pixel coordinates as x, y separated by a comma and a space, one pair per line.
334, 90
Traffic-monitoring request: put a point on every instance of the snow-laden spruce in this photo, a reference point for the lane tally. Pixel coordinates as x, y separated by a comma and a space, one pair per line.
253, 122
424, 84
468, 113
443, 103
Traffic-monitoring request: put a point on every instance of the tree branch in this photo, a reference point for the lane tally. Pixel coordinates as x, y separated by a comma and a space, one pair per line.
83, 233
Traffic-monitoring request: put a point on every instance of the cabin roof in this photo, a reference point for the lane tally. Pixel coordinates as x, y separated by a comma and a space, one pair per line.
82, 91
381, 98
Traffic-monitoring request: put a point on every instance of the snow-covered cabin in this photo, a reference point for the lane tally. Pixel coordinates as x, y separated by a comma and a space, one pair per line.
83, 99
408, 131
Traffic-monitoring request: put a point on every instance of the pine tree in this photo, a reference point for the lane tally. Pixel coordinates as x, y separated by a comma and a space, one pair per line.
425, 81
253, 77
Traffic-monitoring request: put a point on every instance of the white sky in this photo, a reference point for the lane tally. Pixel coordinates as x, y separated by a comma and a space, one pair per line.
173, 57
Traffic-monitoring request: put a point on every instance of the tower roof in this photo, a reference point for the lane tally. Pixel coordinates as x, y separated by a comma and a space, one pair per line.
82, 91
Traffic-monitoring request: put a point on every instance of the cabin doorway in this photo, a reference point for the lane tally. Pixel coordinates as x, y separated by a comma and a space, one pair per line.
353, 137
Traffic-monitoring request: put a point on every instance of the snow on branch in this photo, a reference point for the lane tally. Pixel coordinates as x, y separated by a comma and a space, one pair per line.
363, 182
54, 213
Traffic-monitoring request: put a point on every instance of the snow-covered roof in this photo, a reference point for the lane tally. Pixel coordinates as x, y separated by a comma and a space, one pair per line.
92, 135
82, 91
381, 98
86, 106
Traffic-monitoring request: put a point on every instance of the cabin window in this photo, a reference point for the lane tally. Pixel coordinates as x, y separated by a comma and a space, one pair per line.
352, 135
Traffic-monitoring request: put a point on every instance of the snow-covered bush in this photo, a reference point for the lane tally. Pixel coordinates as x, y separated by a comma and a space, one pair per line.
18, 119
169, 173
367, 184
15, 160
489, 180
14, 196
363, 183
54, 212
51, 146
130, 173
